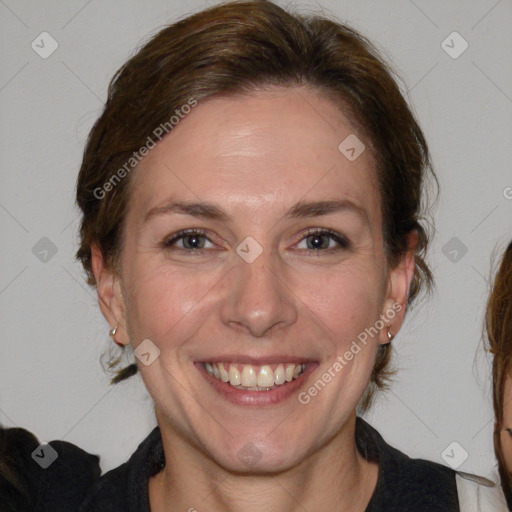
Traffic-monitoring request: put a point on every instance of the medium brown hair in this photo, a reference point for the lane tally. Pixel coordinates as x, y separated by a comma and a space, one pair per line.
498, 325
236, 48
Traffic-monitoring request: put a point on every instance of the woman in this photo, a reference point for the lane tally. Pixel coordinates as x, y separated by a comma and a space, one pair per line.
499, 333
250, 200
250, 204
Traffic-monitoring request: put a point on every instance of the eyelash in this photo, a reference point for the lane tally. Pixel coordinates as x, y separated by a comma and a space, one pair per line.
342, 241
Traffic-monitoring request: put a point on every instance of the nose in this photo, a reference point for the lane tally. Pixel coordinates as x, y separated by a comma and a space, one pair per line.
258, 298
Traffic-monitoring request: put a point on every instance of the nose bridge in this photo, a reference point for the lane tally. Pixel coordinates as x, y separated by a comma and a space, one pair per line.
258, 298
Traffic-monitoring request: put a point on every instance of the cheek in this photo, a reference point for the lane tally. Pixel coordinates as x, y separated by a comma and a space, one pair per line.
163, 302
347, 301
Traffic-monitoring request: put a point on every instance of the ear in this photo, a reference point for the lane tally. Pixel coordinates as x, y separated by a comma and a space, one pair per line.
110, 297
399, 282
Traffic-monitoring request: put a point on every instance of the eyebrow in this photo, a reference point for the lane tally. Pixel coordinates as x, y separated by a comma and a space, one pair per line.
301, 209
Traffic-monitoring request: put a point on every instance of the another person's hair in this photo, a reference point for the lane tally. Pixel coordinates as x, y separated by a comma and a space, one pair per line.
498, 325
16, 474
233, 49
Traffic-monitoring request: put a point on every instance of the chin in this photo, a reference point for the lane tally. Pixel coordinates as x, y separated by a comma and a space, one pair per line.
258, 460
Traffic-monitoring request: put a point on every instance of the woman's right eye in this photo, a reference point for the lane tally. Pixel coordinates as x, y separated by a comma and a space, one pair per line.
192, 240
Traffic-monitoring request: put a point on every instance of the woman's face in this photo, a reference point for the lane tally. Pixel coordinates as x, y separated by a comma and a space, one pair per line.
288, 269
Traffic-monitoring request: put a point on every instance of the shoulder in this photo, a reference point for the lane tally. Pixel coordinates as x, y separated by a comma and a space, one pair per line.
421, 485
109, 489
125, 488
43, 476
405, 483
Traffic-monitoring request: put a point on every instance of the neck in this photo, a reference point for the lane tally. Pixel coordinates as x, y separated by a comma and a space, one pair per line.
335, 477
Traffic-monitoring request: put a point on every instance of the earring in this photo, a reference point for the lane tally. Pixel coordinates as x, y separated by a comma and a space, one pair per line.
390, 336
111, 333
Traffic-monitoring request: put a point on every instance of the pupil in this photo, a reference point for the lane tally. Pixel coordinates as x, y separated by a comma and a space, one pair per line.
316, 241
193, 241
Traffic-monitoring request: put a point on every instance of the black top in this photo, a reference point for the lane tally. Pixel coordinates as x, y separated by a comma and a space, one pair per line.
27, 486
403, 484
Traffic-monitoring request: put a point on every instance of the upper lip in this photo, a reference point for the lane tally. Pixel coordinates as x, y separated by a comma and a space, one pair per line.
257, 361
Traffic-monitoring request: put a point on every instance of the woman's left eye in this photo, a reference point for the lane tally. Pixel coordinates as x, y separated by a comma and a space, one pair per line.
321, 240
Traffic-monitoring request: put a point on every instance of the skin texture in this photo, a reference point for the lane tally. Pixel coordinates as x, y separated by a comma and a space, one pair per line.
255, 156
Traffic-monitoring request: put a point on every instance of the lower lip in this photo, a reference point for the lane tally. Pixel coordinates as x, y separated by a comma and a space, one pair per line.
271, 397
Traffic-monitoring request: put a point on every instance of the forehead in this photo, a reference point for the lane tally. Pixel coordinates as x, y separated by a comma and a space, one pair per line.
265, 149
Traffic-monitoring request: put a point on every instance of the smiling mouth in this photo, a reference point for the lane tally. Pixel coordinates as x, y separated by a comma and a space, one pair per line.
250, 377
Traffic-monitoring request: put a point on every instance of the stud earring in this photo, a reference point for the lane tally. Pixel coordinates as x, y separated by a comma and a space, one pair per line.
390, 336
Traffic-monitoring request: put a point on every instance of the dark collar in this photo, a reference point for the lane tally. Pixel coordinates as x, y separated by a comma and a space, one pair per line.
403, 483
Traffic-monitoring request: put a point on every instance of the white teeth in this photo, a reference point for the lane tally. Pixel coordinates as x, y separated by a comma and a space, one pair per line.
234, 375
224, 377
248, 377
279, 375
266, 377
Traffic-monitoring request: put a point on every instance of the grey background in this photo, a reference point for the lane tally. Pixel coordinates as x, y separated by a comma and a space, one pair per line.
52, 333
